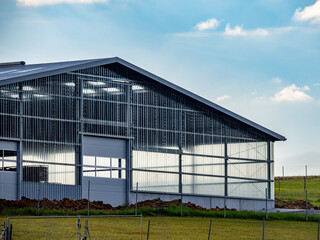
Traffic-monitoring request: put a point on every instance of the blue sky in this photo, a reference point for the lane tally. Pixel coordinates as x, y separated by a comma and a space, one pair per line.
258, 58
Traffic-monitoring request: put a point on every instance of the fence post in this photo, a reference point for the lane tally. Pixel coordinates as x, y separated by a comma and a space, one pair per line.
78, 228
5, 230
88, 197
279, 183
266, 203
210, 229
148, 230
137, 199
306, 205
181, 204
282, 171
38, 202
318, 228
263, 229
141, 228
224, 208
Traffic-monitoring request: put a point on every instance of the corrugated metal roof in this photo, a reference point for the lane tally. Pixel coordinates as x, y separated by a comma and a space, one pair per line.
27, 72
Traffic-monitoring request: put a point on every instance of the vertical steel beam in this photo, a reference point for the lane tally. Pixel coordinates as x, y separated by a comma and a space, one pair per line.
19, 152
79, 83
128, 172
225, 165
269, 169
180, 169
129, 152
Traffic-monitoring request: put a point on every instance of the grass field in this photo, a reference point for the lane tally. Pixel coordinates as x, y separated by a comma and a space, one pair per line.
163, 228
291, 188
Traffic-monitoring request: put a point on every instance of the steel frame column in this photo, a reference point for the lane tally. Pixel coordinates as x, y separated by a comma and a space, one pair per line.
19, 155
225, 167
269, 169
79, 108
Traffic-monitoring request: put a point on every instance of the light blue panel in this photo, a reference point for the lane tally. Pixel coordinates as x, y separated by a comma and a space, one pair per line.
49, 190
8, 185
104, 147
8, 145
108, 190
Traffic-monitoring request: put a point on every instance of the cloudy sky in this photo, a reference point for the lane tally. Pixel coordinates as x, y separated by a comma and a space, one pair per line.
258, 58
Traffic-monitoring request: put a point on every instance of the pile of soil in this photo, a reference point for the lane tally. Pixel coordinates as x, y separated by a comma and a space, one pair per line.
293, 204
65, 204
74, 205
158, 203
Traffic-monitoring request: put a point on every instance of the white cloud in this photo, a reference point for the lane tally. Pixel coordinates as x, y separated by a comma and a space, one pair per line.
37, 3
309, 13
316, 84
292, 93
277, 80
210, 23
222, 98
253, 93
238, 31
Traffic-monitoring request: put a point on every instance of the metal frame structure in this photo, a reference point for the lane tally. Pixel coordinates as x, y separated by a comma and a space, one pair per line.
177, 142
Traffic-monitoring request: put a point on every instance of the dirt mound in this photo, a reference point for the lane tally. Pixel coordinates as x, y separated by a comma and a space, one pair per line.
293, 204
158, 203
74, 205
65, 204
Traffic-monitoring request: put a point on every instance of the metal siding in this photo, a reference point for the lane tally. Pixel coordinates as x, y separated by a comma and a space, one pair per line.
50, 191
108, 190
42, 70
8, 185
104, 147
8, 145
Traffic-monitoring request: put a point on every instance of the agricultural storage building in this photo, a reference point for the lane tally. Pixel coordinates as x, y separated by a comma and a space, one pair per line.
114, 124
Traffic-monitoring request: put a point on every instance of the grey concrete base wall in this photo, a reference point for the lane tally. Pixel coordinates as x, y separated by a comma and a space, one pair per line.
108, 190
49, 190
8, 185
207, 202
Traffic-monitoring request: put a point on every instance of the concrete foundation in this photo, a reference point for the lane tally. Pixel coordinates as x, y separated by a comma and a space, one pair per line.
208, 201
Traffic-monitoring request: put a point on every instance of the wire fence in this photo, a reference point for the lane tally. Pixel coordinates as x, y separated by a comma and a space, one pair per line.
137, 227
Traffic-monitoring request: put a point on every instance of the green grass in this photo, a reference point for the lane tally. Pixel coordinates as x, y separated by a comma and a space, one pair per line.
170, 211
291, 188
162, 228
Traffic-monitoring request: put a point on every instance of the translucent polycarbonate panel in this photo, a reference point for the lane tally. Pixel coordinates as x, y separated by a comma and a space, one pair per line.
103, 172
203, 144
157, 182
48, 153
89, 171
250, 150
9, 165
103, 161
246, 188
271, 151
51, 173
272, 178
89, 160
202, 185
155, 161
203, 165
246, 169
9, 155
115, 162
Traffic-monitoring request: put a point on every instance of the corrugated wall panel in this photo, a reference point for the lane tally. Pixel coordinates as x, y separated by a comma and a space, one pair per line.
8, 185
51, 191
108, 190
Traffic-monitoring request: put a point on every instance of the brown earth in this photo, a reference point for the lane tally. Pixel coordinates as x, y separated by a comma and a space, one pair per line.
158, 203
293, 204
74, 205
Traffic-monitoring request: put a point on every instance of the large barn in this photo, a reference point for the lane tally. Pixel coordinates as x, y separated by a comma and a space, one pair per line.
116, 125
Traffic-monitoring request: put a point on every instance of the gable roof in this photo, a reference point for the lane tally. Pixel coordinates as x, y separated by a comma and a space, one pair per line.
18, 73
